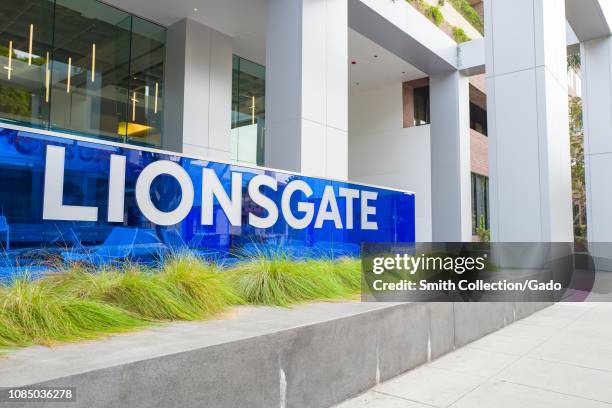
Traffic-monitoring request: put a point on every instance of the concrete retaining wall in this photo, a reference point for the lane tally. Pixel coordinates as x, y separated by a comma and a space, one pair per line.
309, 356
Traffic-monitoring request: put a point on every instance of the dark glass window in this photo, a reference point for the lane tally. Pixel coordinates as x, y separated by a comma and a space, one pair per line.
26, 32
480, 201
421, 106
90, 77
81, 66
248, 111
147, 51
478, 119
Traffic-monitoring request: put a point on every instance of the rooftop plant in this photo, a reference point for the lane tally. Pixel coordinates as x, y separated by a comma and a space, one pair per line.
467, 11
459, 35
434, 14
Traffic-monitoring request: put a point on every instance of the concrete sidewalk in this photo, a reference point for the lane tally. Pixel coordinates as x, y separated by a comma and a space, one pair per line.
558, 357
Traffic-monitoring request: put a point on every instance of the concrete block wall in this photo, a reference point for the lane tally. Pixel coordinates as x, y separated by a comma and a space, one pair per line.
311, 356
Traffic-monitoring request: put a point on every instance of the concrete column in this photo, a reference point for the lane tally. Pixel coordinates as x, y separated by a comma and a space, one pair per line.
450, 158
529, 156
596, 58
307, 87
198, 99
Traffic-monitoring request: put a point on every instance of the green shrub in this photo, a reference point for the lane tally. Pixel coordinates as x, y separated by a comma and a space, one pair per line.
482, 231
468, 12
459, 35
573, 62
435, 15
419, 4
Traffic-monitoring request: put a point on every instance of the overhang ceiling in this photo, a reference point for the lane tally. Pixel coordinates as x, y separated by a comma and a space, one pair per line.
246, 21
375, 66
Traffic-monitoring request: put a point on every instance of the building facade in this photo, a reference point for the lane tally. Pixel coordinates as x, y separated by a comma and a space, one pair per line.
403, 94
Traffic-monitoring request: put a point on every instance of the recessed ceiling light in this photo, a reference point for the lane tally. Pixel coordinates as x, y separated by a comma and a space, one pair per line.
195, 9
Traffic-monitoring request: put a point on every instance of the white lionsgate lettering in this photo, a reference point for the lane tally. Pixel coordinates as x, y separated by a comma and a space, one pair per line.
212, 189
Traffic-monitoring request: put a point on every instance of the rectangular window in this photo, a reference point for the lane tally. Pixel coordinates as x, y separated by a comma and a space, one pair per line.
248, 111
480, 202
147, 51
89, 93
478, 119
83, 67
26, 32
421, 106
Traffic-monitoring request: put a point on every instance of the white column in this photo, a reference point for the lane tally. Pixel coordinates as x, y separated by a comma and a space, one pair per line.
450, 158
197, 105
307, 87
596, 58
529, 156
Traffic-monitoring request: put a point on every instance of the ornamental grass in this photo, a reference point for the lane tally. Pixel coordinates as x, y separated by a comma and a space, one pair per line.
279, 280
80, 302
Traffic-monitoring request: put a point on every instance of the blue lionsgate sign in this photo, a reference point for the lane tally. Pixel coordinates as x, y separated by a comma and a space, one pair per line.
68, 199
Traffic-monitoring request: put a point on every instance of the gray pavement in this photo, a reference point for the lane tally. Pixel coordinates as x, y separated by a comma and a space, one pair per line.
558, 357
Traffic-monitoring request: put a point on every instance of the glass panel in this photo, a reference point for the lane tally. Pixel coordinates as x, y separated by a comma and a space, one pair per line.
421, 106
478, 119
25, 42
90, 69
35, 241
480, 201
146, 83
248, 112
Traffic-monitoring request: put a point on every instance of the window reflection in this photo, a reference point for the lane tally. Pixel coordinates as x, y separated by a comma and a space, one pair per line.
81, 66
480, 202
25, 43
478, 119
89, 92
421, 106
248, 112
147, 65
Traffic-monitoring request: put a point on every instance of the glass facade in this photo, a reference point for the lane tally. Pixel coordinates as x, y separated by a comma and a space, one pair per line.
248, 112
480, 202
30, 240
81, 66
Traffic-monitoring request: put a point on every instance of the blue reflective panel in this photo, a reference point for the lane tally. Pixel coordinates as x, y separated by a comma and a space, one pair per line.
28, 239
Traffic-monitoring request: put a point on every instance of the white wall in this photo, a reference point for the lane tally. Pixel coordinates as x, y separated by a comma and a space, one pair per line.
306, 87
529, 152
596, 61
197, 104
382, 152
450, 157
